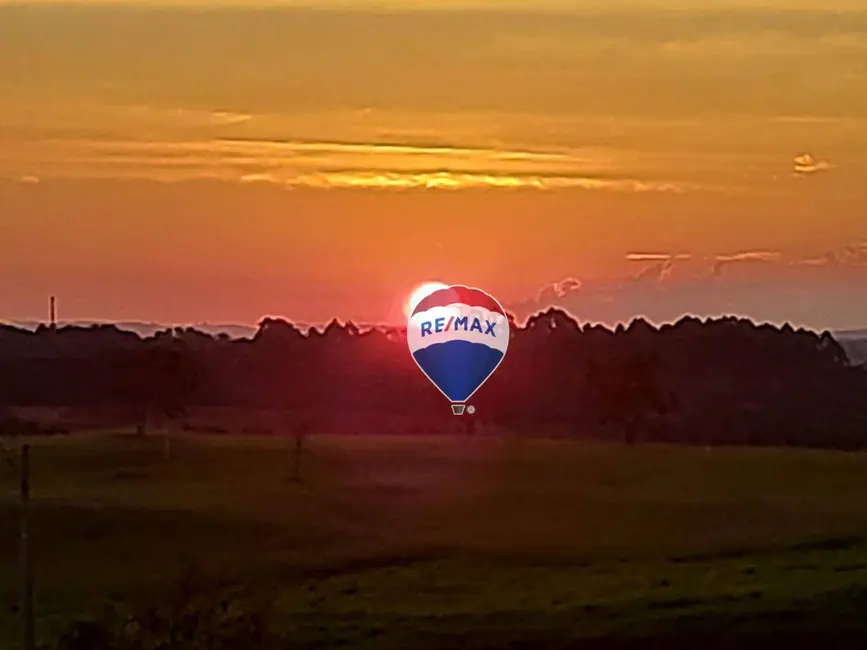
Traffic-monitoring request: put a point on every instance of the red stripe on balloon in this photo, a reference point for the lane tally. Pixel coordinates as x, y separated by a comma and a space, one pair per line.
464, 295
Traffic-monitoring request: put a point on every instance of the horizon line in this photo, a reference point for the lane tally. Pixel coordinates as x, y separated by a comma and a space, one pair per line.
208, 327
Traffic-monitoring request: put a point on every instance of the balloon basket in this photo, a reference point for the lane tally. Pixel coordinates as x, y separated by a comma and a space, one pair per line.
458, 409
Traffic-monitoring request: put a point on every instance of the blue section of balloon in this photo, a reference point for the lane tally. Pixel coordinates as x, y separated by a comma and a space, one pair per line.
458, 368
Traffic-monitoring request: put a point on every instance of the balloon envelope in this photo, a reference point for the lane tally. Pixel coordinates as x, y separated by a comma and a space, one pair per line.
458, 336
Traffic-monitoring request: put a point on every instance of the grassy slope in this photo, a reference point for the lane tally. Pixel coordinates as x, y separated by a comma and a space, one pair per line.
397, 542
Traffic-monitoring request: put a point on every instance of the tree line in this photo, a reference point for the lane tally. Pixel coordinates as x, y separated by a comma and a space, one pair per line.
715, 381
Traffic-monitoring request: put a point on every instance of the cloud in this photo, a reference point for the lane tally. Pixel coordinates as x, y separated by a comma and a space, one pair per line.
481, 56
656, 272
750, 256
229, 118
29, 179
664, 264
805, 165
335, 164
258, 178
822, 260
662, 267
855, 254
557, 291
565, 287
824, 291
656, 257
147, 115
722, 261
442, 180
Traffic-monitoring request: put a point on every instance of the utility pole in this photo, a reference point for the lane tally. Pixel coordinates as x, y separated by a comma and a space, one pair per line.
24, 559
53, 313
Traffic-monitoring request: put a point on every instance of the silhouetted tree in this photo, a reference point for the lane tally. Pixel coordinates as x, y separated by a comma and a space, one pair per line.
159, 379
718, 381
626, 394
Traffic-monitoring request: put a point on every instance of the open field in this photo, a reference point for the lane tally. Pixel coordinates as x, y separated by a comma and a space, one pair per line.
408, 543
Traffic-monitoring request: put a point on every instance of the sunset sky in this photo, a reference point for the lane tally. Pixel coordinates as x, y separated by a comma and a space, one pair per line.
219, 161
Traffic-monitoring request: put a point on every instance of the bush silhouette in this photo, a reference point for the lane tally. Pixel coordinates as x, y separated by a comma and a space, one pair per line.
192, 613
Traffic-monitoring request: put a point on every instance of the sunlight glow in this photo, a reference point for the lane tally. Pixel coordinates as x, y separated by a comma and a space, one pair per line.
418, 294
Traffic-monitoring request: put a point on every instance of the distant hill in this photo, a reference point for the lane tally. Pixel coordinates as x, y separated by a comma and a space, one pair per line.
854, 343
149, 329
850, 334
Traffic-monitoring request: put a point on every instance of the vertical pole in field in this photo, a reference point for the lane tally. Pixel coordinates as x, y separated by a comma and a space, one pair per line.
296, 458
25, 567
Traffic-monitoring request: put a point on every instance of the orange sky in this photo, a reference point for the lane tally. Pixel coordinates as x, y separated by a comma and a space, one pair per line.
220, 162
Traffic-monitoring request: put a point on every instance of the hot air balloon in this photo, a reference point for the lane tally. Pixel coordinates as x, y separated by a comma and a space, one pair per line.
458, 336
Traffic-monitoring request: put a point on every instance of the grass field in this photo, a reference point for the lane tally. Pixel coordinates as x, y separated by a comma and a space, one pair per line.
416, 542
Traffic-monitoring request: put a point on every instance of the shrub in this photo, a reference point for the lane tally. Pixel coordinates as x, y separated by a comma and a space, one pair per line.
191, 614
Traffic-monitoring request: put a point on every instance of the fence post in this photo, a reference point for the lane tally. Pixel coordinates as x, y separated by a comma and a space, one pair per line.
24, 560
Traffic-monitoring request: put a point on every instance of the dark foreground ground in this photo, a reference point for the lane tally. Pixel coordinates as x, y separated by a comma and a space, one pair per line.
458, 542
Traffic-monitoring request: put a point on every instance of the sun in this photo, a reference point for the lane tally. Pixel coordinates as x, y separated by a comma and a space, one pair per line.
419, 293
